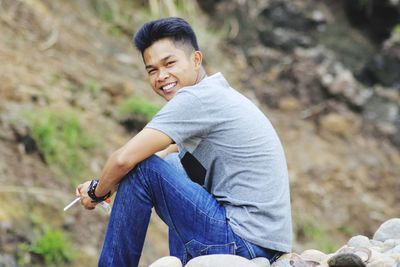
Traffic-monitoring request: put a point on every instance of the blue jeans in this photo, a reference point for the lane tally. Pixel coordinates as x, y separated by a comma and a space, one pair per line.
197, 222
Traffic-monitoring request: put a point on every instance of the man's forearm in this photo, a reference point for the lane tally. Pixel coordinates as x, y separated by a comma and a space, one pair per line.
140, 147
112, 174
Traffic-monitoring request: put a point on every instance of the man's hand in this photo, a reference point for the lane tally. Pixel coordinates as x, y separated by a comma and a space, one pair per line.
138, 148
86, 201
170, 149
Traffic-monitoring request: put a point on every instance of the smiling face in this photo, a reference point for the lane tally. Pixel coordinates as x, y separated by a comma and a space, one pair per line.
171, 67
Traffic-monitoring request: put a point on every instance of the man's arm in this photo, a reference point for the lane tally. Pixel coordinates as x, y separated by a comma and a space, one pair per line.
141, 146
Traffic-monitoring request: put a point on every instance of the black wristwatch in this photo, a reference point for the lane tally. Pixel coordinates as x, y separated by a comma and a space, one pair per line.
92, 195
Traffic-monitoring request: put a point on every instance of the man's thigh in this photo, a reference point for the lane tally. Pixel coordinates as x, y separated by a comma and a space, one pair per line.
197, 222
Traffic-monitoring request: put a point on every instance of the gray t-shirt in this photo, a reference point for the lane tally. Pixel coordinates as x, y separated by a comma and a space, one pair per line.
228, 145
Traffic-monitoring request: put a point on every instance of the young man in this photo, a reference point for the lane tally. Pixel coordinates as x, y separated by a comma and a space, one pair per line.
228, 192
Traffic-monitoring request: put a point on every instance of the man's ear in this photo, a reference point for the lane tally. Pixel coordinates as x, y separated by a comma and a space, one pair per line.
198, 59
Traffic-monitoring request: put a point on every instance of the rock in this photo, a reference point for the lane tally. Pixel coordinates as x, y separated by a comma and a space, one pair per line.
7, 260
293, 259
359, 241
344, 82
168, 261
220, 260
298, 261
389, 244
345, 260
363, 253
289, 104
376, 243
388, 230
381, 109
337, 124
261, 262
382, 262
282, 263
394, 250
314, 255
396, 257
383, 67
286, 256
375, 255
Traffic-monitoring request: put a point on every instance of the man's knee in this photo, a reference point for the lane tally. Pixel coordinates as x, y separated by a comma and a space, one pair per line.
141, 170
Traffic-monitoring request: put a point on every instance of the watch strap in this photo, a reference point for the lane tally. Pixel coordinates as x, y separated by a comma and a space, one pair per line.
91, 192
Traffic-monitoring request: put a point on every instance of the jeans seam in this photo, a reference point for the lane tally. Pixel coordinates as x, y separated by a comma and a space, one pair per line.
249, 248
114, 246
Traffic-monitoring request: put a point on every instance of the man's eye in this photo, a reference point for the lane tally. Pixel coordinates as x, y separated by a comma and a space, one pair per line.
170, 63
151, 72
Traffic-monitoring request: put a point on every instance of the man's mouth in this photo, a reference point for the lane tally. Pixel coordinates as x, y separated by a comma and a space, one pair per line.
169, 87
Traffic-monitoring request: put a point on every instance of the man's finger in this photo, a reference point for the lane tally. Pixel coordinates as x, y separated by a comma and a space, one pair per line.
77, 191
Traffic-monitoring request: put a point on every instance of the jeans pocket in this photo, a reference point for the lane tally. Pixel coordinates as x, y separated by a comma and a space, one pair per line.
196, 248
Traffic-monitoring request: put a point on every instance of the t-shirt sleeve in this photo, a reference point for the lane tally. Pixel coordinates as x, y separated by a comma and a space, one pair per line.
181, 118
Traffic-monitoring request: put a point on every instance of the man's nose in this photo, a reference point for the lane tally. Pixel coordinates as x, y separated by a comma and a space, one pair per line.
162, 74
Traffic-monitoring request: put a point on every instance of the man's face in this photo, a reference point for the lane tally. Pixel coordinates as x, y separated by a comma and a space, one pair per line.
171, 67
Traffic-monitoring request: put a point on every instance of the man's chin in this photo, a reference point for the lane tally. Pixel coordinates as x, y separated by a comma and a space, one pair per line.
169, 96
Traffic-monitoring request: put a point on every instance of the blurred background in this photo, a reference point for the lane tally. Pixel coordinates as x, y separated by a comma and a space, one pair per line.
73, 89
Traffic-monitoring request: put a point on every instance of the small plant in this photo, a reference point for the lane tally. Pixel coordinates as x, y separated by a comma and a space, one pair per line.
105, 10
117, 15
314, 233
397, 29
139, 106
91, 86
61, 139
53, 247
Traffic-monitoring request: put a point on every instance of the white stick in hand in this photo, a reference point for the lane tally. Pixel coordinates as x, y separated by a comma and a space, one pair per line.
72, 203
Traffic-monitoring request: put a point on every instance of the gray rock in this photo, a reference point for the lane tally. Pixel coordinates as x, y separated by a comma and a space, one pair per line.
383, 262
282, 263
313, 255
168, 261
359, 241
394, 250
261, 262
389, 244
388, 230
220, 260
345, 260
7, 260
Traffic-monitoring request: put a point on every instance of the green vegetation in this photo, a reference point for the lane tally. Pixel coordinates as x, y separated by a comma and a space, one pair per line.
47, 245
53, 247
90, 86
119, 15
397, 29
139, 106
348, 230
61, 139
314, 233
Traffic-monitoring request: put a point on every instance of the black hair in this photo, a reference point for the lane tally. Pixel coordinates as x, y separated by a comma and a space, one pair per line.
175, 28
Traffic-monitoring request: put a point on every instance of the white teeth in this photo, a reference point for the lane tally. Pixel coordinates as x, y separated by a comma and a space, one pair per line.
168, 86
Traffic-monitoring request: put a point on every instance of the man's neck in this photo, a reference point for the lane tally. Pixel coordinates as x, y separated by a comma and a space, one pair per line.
201, 75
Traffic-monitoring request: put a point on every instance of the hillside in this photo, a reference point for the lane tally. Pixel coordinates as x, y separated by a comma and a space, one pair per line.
73, 90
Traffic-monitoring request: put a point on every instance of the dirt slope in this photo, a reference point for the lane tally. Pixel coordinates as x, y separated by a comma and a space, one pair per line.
62, 55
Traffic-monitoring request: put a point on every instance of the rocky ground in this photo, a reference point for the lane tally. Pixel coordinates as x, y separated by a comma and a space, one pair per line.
383, 250
329, 86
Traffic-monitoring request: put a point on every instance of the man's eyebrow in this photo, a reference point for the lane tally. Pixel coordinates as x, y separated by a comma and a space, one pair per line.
163, 59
